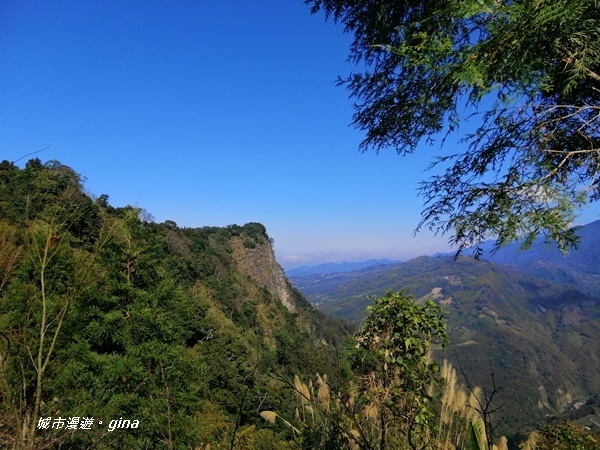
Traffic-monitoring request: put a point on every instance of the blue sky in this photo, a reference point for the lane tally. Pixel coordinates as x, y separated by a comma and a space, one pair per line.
210, 113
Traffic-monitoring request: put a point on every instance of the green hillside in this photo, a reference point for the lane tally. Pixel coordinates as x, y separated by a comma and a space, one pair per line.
120, 333
541, 341
580, 268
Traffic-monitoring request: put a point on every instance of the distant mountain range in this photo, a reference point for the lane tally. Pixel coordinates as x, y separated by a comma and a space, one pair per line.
530, 318
579, 269
303, 271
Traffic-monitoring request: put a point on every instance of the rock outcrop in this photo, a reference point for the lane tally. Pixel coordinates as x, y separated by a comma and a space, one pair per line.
257, 260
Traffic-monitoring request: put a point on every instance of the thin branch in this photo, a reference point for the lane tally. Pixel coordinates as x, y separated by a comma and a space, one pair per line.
592, 74
32, 153
241, 405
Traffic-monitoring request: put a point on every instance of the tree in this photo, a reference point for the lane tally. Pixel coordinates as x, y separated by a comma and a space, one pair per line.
387, 400
393, 362
530, 71
561, 436
42, 280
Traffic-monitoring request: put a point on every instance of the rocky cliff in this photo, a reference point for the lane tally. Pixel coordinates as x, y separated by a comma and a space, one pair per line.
257, 260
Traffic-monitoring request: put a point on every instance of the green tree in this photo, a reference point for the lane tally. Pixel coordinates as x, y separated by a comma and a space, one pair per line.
530, 71
392, 359
561, 436
386, 402
53, 273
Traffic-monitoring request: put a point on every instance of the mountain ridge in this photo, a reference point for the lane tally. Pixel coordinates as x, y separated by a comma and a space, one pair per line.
580, 268
334, 267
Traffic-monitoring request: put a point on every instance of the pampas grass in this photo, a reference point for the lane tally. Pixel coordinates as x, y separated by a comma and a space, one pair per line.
358, 419
460, 423
531, 442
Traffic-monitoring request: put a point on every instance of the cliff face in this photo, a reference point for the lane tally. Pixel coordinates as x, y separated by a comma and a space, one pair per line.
257, 260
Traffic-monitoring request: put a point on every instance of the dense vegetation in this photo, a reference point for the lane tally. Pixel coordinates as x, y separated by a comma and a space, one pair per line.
116, 332
540, 340
107, 316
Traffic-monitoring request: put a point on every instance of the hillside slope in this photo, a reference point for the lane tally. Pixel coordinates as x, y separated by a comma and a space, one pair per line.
183, 333
541, 341
579, 269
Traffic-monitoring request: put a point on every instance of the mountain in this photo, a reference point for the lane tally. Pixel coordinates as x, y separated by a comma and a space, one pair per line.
189, 335
303, 271
540, 340
579, 269
184, 334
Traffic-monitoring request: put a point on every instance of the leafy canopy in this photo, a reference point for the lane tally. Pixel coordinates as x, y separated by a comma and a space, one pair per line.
530, 70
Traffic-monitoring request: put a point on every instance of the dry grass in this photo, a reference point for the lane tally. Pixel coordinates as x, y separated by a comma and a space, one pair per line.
460, 425
459, 408
269, 416
531, 442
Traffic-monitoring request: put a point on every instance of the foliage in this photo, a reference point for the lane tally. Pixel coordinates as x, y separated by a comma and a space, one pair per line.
562, 436
392, 360
105, 314
55, 269
528, 332
531, 72
323, 419
387, 400
330, 418
462, 416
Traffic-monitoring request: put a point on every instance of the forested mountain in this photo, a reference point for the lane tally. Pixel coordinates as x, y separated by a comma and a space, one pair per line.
580, 268
541, 340
107, 322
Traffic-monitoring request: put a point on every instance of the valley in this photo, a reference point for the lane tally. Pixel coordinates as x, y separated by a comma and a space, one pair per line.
540, 340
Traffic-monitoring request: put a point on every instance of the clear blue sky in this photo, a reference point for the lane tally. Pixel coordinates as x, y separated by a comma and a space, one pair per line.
209, 113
